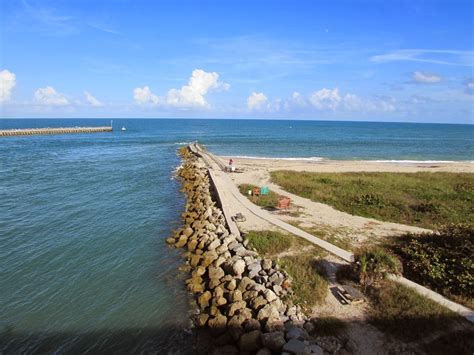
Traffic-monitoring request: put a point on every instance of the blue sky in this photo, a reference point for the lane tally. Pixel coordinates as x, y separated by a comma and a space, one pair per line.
337, 60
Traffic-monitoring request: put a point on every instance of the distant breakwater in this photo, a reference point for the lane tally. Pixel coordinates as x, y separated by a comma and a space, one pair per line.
241, 299
63, 130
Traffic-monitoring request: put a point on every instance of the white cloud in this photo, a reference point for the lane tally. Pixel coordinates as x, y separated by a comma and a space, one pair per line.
92, 100
257, 101
325, 99
425, 78
435, 56
7, 83
191, 95
50, 97
332, 100
145, 96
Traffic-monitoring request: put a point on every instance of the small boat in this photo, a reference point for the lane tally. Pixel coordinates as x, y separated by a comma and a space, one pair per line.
123, 128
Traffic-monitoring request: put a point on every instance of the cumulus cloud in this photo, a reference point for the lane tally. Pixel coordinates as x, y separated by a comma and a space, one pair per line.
191, 95
48, 96
7, 83
145, 96
257, 101
325, 99
92, 100
425, 78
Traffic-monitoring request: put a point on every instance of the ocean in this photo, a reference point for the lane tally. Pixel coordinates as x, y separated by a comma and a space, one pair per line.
83, 219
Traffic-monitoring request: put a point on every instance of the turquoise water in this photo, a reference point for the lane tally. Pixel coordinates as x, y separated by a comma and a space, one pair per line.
83, 218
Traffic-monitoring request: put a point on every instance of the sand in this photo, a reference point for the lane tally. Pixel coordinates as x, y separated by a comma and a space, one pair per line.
337, 166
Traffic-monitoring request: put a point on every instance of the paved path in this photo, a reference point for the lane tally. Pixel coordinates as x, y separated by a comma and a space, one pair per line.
233, 201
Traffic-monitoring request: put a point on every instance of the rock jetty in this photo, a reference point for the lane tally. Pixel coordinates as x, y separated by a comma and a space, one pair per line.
240, 297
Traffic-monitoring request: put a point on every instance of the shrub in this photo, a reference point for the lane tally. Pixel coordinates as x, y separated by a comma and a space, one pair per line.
442, 260
374, 264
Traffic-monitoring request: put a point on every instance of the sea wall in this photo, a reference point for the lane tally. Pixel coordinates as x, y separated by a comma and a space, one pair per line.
64, 130
240, 297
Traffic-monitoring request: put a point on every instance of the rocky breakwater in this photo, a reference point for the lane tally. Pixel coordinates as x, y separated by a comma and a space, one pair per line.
240, 297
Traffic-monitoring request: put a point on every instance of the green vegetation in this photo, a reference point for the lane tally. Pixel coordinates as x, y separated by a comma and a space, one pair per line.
309, 282
402, 312
271, 243
374, 264
270, 200
442, 261
423, 199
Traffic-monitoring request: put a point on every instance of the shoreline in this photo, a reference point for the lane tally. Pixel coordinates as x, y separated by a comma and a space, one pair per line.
334, 166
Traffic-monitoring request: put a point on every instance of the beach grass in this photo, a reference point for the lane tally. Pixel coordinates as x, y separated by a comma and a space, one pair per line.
271, 243
299, 258
269, 201
309, 280
422, 199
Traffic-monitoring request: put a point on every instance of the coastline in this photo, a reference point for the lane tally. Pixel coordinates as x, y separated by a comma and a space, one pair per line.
335, 166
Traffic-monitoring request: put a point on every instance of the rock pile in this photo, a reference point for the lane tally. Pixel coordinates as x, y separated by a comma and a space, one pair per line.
239, 296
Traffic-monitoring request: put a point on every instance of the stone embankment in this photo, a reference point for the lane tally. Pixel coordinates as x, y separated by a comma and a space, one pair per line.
243, 299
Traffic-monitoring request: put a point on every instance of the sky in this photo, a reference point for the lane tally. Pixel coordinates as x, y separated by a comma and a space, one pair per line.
405, 61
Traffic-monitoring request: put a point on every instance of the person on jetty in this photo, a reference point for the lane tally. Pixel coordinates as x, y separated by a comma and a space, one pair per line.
231, 167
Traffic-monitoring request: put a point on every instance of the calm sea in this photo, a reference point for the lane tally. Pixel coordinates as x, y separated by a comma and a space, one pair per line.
83, 218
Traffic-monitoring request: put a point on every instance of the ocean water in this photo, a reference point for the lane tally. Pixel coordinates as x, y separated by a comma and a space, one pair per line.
83, 219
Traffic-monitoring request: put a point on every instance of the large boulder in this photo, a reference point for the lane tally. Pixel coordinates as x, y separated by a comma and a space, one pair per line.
238, 267
295, 346
250, 341
274, 341
204, 299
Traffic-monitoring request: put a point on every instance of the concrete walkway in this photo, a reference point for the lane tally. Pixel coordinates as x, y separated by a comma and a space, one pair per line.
233, 201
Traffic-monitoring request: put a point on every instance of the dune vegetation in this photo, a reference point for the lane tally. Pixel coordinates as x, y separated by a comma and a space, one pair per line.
421, 199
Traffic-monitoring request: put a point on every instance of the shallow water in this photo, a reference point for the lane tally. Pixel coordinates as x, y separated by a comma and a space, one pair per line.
83, 218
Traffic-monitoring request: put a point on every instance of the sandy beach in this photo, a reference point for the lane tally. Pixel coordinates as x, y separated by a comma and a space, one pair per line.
337, 166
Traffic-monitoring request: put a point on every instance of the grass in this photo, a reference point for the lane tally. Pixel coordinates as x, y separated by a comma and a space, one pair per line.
402, 312
270, 243
270, 200
309, 283
422, 199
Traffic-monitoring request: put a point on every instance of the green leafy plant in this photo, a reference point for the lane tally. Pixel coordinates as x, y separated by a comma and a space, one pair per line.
374, 264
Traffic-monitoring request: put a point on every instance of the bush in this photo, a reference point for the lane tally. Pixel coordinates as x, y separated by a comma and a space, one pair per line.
442, 260
374, 264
